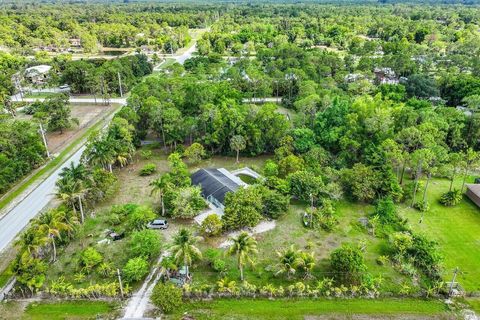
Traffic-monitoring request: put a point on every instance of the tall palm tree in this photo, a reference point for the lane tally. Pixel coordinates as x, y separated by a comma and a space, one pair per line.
184, 250
244, 246
72, 192
159, 186
289, 261
50, 225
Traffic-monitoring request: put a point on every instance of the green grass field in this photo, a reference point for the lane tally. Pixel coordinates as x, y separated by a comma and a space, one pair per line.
298, 309
67, 310
457, 231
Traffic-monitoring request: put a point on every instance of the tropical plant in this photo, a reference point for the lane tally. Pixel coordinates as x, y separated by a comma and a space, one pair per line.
184, 250
244, 247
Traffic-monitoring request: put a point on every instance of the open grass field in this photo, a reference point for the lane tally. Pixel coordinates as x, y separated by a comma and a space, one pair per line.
310, 309
457, 231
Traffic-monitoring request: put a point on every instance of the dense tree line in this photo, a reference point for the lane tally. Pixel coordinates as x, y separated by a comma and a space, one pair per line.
21, 150
29, 26
101, 77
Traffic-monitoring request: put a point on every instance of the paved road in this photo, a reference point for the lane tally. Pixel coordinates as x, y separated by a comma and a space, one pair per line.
14, 221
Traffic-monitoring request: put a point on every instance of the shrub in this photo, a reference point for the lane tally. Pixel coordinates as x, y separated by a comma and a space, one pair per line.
212, 225
166, 297
148, 169
146, 154
274, 203
90, 258
347, 263
139, 217
186, 202
135, 269
451, 198
423, 206
382, 260
219, 265
145, 243
195, 152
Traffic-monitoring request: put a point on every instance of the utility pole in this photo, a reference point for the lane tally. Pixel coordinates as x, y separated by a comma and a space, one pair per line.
44, 138
120, 281
120, 84
455, 272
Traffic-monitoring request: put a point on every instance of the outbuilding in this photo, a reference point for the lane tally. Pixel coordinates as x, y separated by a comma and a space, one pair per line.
473, 193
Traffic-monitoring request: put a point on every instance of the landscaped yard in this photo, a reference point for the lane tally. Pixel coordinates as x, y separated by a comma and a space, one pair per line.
308, 309
457, 231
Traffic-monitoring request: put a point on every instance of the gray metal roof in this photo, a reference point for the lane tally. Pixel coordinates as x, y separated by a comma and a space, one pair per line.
214, 183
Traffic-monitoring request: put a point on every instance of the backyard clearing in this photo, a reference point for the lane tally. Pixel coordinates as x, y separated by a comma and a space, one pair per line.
87, 115
316, 309
457, 231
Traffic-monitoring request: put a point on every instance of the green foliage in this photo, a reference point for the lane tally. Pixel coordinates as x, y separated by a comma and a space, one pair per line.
423, 206
140, 217
145, 243
243, 208
90, 258
348, 264
148, 169
166, 297
22, 151
451, 198
304, 185
135, 269
212, 225
195, 152
185, 202
275, 204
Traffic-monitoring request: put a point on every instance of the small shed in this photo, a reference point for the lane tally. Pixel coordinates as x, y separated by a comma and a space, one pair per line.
473, 193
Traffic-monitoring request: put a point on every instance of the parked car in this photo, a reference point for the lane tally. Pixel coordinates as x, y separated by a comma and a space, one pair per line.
158, 224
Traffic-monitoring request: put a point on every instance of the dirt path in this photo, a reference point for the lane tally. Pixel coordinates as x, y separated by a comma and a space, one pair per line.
263, 226
138, 303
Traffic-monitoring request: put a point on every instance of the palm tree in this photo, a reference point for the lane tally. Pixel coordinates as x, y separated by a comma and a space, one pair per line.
75, 172
244, 246
289, 261
50, 225
30, 241
159, 186
72, 192
184, 249
306, 263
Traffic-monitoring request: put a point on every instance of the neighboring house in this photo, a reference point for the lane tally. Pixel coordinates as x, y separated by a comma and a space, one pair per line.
473, 192
215, 184
37, 75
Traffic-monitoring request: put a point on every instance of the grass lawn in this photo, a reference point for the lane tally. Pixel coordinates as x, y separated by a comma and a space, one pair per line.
457, 231
67, 310
474, 304
289, 230
298, 309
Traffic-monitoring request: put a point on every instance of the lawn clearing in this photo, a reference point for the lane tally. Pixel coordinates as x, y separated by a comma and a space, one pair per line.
457, 231
299, 309
289, 230
68, 310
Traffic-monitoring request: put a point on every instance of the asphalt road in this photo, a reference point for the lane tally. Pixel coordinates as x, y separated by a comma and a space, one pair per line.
18, 218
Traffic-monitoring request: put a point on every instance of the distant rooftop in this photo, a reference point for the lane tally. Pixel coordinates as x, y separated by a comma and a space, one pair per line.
40, 69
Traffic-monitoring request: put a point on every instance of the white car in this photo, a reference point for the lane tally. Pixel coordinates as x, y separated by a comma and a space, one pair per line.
158, 224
